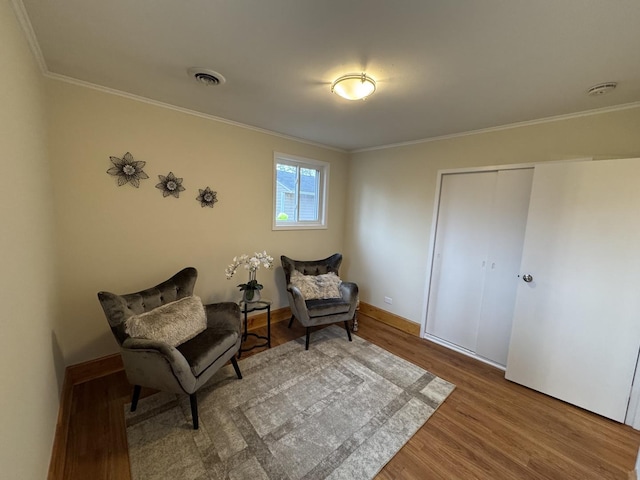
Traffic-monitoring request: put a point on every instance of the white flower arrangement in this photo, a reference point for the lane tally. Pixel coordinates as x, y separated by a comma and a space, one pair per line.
250, 263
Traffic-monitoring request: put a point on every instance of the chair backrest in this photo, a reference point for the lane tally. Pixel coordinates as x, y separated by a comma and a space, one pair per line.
118, 308
311, 267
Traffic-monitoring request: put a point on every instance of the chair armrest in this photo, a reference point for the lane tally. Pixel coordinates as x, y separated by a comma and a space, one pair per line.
297, 304
297, 295
155, 364
224, 317
165, 349
349, 291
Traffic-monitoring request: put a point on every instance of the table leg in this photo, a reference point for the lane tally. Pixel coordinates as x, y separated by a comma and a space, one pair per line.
355, 322
269, 326
244, 336
245, 324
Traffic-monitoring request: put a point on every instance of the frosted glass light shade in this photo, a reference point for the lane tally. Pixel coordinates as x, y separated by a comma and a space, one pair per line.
357, 86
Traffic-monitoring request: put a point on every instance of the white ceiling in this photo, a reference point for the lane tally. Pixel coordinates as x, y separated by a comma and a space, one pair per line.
442, 67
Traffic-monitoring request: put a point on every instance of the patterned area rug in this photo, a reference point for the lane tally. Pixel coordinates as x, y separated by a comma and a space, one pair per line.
340, 410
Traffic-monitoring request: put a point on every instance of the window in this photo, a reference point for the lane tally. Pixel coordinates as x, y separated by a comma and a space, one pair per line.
299, 192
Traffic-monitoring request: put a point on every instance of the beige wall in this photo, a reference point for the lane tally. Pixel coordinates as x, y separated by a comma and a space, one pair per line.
123, 239
30, 363
391, 194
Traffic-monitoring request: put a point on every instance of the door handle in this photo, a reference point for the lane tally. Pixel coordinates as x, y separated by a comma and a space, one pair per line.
527, 278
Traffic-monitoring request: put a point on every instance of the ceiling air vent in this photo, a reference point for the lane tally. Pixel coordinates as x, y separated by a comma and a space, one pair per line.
206, 77
601, 89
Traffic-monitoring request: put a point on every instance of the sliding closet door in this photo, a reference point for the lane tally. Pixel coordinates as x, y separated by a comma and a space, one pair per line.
460, 255
480, 230
507, 225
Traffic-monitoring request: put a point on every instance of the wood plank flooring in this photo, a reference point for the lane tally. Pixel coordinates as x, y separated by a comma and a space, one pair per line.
488, 428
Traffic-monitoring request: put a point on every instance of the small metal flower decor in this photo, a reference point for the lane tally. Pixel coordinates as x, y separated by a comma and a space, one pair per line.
170, 185
251, 289
207, 197
127, 170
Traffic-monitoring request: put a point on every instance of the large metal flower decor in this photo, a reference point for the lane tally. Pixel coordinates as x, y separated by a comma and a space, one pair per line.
127, 170
170, 185
207, 197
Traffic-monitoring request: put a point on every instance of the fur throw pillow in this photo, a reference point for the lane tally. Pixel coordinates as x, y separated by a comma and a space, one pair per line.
315, 287
173, 323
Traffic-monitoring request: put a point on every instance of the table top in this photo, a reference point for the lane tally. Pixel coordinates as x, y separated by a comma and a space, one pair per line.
261, 304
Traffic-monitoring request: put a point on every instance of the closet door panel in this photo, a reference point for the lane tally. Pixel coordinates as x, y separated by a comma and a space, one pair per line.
507, 225
576, 332
460, 256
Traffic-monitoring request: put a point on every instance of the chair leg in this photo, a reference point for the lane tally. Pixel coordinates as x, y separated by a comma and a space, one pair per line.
308, 335
194, 410
291, 321
346, 326
235, 367
135, 397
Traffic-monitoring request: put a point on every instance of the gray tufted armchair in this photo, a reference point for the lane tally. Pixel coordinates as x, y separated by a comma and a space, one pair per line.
158, 365
311, 313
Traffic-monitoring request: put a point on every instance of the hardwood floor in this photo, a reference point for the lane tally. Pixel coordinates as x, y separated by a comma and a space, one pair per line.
488, 428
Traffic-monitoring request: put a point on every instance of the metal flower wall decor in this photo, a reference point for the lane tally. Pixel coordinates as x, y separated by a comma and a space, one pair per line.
131, 171
127, 170
170, 185
207, 197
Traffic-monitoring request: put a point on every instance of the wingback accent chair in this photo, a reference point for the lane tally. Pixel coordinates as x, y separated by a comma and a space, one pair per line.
158, 365
320, 311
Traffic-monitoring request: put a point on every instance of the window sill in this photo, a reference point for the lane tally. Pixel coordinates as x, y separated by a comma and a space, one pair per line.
299, 227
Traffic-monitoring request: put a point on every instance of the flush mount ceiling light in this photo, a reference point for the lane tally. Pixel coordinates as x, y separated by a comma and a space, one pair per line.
601, 89
355, 86
206, 76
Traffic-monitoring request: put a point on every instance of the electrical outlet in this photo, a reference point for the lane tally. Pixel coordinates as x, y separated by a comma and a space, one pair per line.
388, 300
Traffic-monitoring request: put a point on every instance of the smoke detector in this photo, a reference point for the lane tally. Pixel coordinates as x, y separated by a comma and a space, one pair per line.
601, 89
206, 76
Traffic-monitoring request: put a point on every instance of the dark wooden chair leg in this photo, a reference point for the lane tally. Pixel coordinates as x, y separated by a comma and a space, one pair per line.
346, 326
135, 397
236, 368
291, 321
308, 335
194, 410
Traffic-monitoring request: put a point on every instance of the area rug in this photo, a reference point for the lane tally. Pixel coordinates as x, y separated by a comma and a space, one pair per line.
340, 410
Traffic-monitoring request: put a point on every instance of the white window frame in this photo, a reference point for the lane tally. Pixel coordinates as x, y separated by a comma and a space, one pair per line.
323, 189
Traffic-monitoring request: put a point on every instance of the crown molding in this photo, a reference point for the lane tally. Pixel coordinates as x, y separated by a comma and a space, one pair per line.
157, 103
527, 123
25, 23
27, 28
